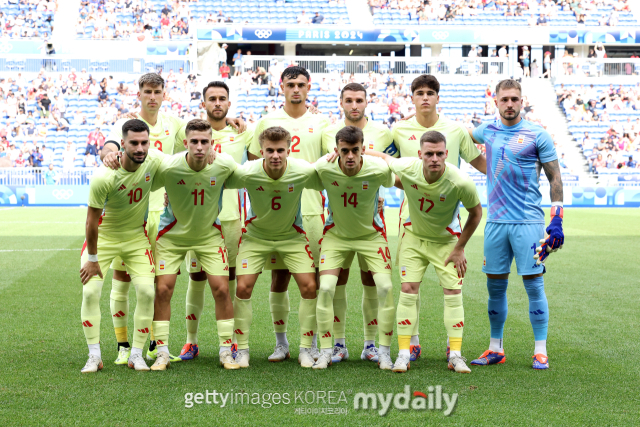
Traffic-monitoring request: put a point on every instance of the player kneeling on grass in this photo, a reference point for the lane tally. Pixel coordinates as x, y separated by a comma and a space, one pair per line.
116, 217
274, 225
434, 189
190, 222
354, 226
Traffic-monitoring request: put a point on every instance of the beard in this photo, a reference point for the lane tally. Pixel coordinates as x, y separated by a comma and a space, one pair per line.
133, 159
510, 116
297, 101
212, 115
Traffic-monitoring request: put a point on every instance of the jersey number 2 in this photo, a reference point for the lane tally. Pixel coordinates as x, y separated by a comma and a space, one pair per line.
296, 141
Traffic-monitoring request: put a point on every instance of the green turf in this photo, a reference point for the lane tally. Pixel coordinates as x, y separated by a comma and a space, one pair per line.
593, 291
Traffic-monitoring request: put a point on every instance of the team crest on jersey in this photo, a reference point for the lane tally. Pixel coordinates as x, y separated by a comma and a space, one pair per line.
147, 177
245, 264
370, 146
365, 185
443, 197
404, 271
166, 131
212, 180
310, 130
194, 263
290, 188
322, 258
485, 261
161, 264
231, 138
520, 139
273, 259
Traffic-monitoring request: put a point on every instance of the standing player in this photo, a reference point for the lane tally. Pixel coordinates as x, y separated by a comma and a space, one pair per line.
406, 135
275, 225
435, 190
353, 100
517, 149
225, 140
190, 222
118, 203
354, 226
306, 143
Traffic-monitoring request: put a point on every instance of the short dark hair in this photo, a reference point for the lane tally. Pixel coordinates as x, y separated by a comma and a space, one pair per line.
350, 135
508, 84
433, 137
293, 72
215, 84
425, 80
151, 79
197, 125
275, 133
355, 87
134, 125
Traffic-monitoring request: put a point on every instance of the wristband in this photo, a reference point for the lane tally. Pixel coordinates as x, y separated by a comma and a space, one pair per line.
557, 211
93, 258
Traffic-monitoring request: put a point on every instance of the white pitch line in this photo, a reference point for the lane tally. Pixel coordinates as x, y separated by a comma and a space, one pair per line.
37, 250
42, 222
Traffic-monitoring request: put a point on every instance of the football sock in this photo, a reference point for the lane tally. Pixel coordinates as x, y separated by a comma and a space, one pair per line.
162, 334
454, 320
243, 316
497, 305
538, 307
370, 313
307, 320
324, 309
386, 308
225, 330
406, 317
90, 311
280, 307
233, 284
454, 353
143, 316
281, 339
340, 312
541, 347
224, 349
137, 351
384, 349
416, 328
495, 344
415, 340
367, 343
95, 349
119, 304
341, 341
195, 305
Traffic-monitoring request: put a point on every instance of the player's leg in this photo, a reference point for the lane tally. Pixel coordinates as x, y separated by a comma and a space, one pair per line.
232, 232
497, 265
369, 316
153, 222
279, 307
523, 238
415, 348
119, 305
314, 228
340, 351
194, 305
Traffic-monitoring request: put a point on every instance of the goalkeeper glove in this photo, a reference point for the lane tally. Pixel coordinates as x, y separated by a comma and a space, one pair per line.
554, 230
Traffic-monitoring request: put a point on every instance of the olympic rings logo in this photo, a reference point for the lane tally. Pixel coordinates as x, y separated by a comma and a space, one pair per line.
263, 34
62, 194
440, 35
5, 47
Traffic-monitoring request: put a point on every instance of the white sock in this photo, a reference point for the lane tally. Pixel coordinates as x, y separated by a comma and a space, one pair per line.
415, 340
281, 339
495, 344
454, 353
164, 348
95, 350
404, 353
367, 343
314, 342
224, 349
341, 341
135, 350
541, 347
384, 349
327, 351
447, 341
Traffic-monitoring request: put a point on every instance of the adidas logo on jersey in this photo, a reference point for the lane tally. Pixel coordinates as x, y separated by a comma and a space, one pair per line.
87, 324
335, 184
335, 319
191, 317
181, 182
374, 322
459, 325
279, 322
412, 138
122, 187
404, 322
260, 188
144, 331
238, 332
414, 186
119, 314
327, 335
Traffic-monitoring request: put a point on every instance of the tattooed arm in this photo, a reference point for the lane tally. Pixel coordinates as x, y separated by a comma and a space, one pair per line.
552, 170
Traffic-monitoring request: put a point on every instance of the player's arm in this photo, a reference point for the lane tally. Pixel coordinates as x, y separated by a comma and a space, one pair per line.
556, 234
237, 123
470, 153
480, 163
91, 267
457, 256
110, 153
387, 158
253, 150
237, 179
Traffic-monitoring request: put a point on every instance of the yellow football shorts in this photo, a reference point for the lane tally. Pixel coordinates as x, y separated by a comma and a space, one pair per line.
231, 230
153, 221
314, 226
336, 251
210, 255
295, 255
416, 255
136, 253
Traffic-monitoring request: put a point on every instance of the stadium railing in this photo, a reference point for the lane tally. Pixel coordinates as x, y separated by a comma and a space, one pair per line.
36, 176
593, 67
64, 63
399, 65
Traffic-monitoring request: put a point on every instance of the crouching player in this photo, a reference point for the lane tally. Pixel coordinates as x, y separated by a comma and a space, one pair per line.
116, 218
190, 222
434, 189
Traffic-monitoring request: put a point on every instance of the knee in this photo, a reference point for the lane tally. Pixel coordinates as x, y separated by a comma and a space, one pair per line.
91, 292
243, 291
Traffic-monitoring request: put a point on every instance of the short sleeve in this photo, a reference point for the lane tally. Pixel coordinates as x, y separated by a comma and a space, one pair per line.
237, 179
399, 166
326, 143
228, 162
99, 189
468, 150
478, 133
546, 150
161, 173
313, 182
468, 194
248, 135
254, 147
178, 143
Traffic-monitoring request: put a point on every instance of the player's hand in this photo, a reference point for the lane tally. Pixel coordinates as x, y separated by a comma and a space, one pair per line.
554, 230
407, 117
237, 123
380, 204
131, 115
88, 270
166, 200
112, 159
313, 109
212, 156
459, 261
332, 157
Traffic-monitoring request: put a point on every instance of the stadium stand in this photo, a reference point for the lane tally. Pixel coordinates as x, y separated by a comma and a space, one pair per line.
33, 19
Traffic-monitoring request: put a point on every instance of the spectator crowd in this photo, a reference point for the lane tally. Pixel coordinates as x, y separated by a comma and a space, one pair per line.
27, 18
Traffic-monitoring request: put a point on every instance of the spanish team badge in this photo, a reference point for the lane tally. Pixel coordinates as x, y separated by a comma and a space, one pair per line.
290, 188
147, 177
212, 181
443, 197
365, 185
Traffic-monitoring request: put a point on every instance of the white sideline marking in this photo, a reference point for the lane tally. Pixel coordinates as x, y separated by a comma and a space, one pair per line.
36, 250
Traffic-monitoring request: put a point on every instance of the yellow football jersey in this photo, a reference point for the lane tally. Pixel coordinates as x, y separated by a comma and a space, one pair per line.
353, 200
195, 198
377, 136
124, 197
275, 205
433, 208
306, 144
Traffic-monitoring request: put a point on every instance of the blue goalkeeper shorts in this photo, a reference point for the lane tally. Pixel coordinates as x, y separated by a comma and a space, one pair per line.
504, 241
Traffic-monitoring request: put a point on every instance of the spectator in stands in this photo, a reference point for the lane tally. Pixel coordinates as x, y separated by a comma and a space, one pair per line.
247, 61
525, 61
542, 20
632, 164
36, 158
222, 55
237, 63
89, 161
611, 164
51, 176
562, 162
317, 19
303, 19
47, 155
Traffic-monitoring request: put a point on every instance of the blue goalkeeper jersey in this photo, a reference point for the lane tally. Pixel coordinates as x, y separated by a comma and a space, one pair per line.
514, 158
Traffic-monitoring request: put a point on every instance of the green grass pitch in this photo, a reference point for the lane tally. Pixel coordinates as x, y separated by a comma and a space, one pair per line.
593, 291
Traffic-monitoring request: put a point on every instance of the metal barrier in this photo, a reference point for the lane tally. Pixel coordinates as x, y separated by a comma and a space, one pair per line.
36, 176
592, 67
64, 63
399, 65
